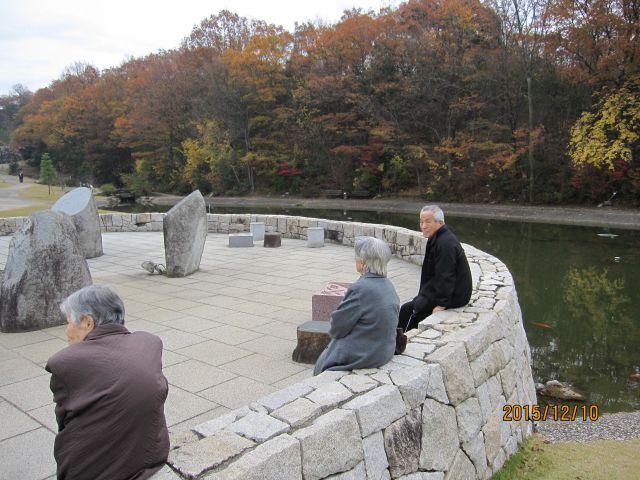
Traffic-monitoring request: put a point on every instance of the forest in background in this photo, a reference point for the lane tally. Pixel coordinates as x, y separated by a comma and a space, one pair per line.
453, 100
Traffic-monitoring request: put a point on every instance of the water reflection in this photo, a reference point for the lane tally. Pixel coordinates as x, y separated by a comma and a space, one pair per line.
567, 278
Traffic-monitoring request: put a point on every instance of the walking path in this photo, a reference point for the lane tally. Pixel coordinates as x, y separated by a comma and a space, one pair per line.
228, 332
10, 196
585, 216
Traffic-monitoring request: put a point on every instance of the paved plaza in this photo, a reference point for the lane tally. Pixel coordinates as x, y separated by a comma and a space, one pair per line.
228, 332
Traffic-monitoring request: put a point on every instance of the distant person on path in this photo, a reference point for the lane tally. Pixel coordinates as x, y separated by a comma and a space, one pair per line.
109, 392
21, 176
445, 281
363, 327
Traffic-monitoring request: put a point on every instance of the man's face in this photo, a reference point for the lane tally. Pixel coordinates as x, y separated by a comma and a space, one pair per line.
77, 333
429, 226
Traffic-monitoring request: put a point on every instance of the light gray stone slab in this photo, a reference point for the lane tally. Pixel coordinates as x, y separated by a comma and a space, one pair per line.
458, 378
357, 473
377, 409
315, 237
277, 399
80, 205
332, 444
194, 458
45, 264
213, 426
324, 377
402, 442
375, 457
257, 230
28, 456
412, 383
439, 436
469, 416
258, 427
330, 394
298, 412
477, 454
278, 459
185, 231
239, 240
418, 350
165, 473
461, 468
436, 388
359, 383
423, 476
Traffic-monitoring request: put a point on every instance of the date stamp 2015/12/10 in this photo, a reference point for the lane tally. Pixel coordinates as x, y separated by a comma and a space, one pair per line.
562, 413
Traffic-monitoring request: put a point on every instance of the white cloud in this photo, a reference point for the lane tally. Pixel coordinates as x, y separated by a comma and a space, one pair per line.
39, 38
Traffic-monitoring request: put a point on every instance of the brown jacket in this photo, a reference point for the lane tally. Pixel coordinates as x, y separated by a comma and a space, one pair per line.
109, 392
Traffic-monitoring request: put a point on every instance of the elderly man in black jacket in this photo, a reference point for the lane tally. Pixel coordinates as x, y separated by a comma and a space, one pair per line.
445, 281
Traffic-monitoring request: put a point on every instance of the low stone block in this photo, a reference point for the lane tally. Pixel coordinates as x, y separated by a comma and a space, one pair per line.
277, 459
315, 237
213, 426
458, 378
377, 409
80, 205
313, 338
402, 442
330, 394
257, 229
194, 458
375, 457
258, 427
277, 399
469, 418
325, 302
439, 436
298, 412
272, 239
331, 445
240, 240
412, 383
359, 383
461, 468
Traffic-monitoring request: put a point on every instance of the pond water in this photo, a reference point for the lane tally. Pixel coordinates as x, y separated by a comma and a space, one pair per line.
578, 287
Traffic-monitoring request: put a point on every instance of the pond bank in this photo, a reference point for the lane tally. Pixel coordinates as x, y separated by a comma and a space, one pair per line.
608, 217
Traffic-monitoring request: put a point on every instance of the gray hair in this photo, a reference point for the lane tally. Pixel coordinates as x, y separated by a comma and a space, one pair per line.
438, 214
101, 302
374, 253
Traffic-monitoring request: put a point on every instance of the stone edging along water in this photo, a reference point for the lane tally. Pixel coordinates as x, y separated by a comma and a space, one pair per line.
434, 412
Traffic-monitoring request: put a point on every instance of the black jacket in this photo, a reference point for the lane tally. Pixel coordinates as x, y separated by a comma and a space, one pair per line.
446, 278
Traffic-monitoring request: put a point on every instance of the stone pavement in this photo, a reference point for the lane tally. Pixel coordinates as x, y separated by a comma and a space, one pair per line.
228, 332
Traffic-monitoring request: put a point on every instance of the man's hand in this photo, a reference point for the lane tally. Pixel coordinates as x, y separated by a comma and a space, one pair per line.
438, 309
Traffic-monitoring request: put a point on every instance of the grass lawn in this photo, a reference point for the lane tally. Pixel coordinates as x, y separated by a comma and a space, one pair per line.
602, 460
39, 195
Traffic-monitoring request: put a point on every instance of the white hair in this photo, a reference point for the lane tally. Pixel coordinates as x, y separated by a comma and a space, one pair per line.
100, 302
438, 214
374, 253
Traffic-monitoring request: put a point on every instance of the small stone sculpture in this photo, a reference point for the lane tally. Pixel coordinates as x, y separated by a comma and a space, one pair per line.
185, 231
80, 205
45, 264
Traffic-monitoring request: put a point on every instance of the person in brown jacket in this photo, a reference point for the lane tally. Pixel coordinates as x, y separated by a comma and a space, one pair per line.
109, 392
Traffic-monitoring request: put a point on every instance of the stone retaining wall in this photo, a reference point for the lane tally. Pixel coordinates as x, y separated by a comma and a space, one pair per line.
432, 413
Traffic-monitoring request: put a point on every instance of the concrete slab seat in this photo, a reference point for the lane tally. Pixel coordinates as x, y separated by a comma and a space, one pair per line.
272, 239
313, 338
238, 240
315, 237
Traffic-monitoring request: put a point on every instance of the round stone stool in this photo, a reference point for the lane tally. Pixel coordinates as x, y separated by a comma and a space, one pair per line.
272, 239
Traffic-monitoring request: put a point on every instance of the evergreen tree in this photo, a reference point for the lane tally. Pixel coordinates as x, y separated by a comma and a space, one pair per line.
47, 171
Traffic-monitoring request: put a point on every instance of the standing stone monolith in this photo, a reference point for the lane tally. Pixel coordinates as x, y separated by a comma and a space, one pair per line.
185, 231
45, 264
80, 205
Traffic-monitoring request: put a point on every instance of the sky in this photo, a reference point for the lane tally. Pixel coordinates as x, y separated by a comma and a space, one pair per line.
40, 38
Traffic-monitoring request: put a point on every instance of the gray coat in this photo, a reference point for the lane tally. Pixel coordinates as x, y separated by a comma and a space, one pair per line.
363, 328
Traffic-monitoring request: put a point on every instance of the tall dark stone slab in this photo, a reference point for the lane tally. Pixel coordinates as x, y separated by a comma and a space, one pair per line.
402, 441
45, 264
185, 231
80, 205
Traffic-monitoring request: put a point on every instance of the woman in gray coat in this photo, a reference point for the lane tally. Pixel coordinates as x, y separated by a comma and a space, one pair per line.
363, 328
